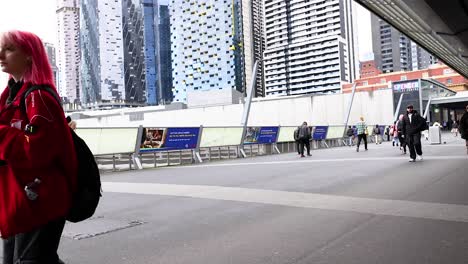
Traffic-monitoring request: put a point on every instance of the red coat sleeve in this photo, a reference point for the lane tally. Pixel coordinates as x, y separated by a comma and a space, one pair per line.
40, 147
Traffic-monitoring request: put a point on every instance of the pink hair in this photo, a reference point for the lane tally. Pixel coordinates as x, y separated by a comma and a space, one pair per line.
40, 72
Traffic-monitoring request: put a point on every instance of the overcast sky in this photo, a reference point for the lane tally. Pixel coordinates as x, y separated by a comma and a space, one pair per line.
39, 17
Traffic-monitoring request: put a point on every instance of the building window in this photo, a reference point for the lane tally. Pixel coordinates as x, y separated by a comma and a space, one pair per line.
448, 71
449, 81
365, 83
403, 78
383, 80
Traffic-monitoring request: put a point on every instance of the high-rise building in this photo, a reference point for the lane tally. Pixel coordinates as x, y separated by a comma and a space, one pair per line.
254, 43
147, 52
421, 58
206, 46
136, 68
310, 46
68, 21
50, 49
102, 49
165, 62
392, 49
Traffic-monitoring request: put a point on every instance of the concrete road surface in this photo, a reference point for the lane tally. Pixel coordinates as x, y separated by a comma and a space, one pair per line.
337, 207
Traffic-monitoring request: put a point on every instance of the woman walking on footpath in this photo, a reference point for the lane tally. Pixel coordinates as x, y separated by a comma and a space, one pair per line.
38, 162
463, 127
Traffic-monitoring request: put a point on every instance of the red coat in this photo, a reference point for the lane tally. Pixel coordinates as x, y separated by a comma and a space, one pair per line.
47, 154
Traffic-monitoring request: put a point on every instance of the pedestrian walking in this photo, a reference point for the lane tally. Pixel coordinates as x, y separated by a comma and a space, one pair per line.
38, 164
350, 134
387, 132
296, 139
463, 127
394, 134
304, 137
362, 133
413, 125
377, 134
401, 137
455, 128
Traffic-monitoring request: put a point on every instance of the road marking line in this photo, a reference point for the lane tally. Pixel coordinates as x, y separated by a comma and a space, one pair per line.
434, 211
310, 160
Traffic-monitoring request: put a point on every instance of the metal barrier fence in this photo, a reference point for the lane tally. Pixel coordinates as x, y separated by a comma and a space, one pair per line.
137, 148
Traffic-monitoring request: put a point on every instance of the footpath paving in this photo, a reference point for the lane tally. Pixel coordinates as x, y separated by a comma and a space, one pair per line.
338, 206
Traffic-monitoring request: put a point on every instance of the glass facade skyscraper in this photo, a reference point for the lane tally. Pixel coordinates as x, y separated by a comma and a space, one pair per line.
150, 47
148, 73
134, 36
125, 50
206, 41
165, 61
102, 52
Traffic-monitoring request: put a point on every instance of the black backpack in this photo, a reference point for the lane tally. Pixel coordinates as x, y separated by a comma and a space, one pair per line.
88, 190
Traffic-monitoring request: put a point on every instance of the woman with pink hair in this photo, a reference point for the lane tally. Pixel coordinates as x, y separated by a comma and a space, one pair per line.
38, 163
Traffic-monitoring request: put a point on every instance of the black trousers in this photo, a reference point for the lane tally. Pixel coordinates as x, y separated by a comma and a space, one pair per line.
402, 142
306, 143
362, 137
414, 144
36, 247
298, 146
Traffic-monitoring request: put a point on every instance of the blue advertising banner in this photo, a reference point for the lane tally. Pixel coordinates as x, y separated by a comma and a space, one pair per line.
268, 135
261, 135
159, 139
320, 133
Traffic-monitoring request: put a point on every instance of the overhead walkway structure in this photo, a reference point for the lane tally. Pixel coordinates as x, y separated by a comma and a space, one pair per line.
441, 27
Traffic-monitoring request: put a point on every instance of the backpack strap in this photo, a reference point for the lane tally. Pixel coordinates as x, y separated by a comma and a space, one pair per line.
34, 88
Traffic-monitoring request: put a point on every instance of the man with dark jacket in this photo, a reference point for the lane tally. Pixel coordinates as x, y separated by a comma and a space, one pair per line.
463, 127
296, 138
413, 124
304, 138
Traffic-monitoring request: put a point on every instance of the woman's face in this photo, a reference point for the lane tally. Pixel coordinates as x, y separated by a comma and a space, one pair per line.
12, 59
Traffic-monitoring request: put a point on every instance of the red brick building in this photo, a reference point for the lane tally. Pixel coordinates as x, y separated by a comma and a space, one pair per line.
379, 81
368, 69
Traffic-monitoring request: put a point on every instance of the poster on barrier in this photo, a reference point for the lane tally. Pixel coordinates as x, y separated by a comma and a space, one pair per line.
221, 136
286, 134
261, 135
320, 133
251, 135
335, 132
157, 139
267, 135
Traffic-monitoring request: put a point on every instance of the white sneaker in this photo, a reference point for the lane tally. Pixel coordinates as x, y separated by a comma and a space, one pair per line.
412, 160
420, 158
